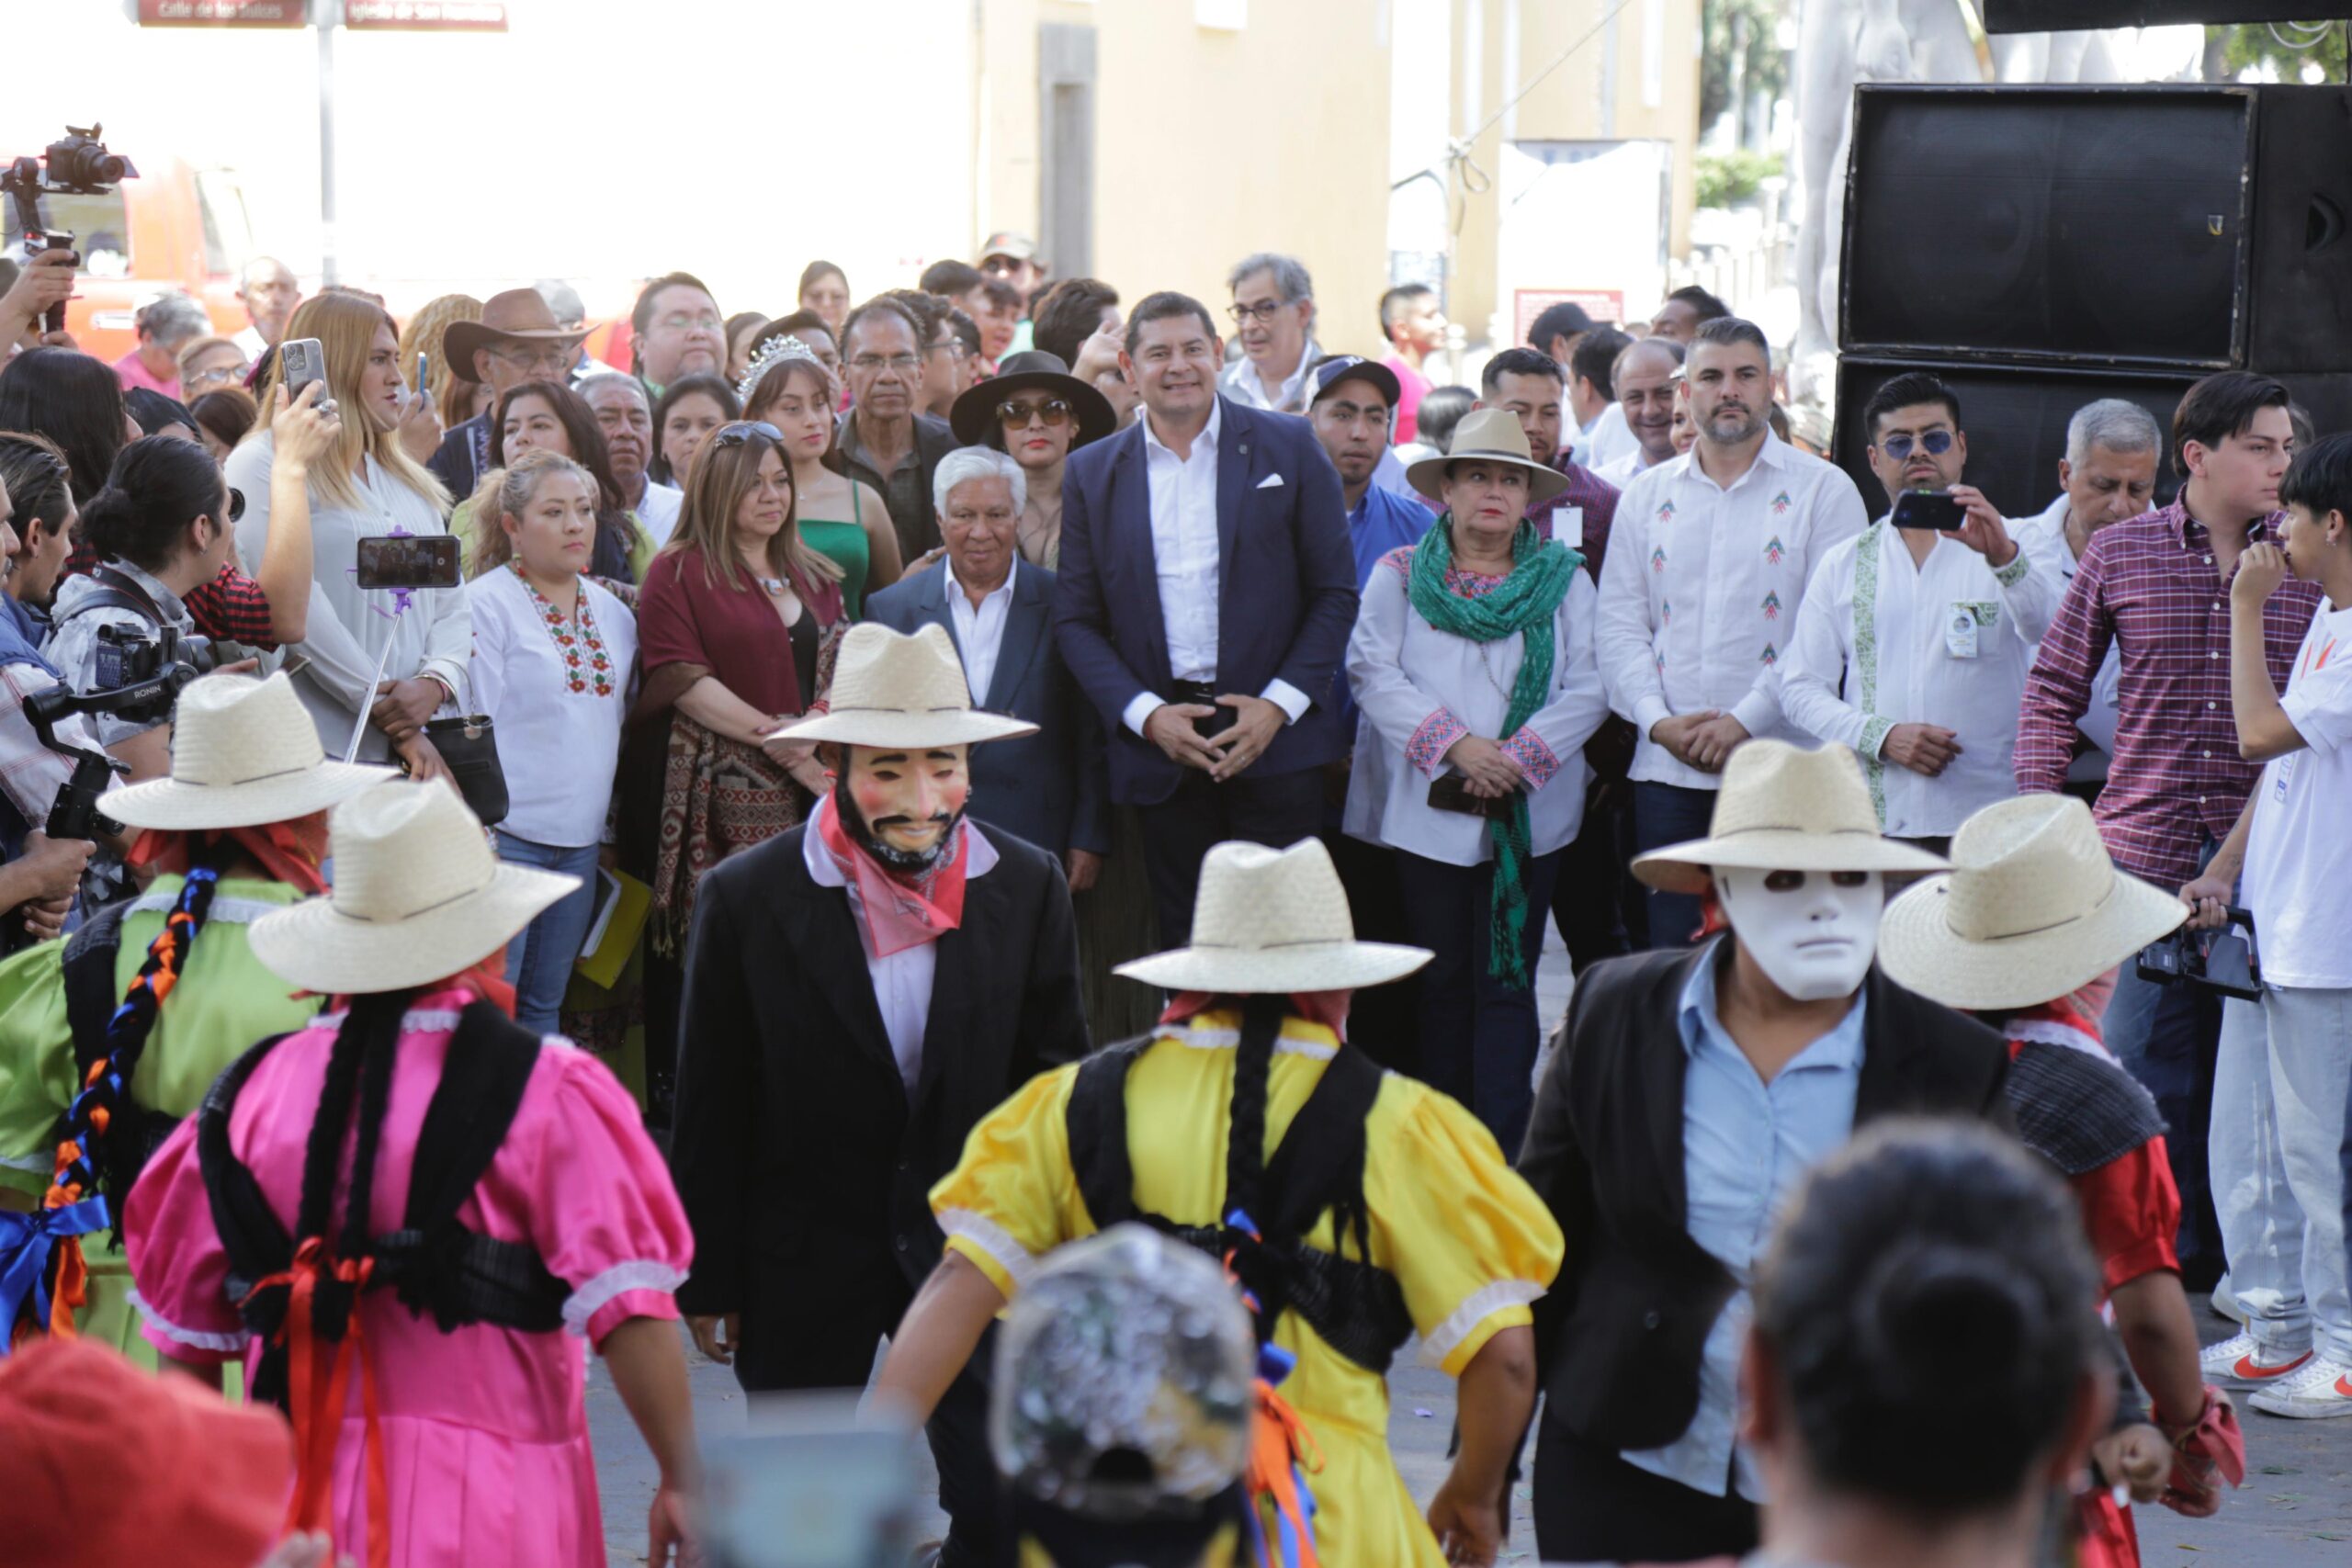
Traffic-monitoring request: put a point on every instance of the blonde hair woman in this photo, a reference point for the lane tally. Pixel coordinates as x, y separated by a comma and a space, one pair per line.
423, 335
365, 484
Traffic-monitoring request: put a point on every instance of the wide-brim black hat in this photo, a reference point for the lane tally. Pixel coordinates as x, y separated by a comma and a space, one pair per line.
974, 410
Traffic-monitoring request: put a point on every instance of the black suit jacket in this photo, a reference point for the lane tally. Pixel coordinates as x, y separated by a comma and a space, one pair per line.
1048, 787
803, 1162
1624, 1331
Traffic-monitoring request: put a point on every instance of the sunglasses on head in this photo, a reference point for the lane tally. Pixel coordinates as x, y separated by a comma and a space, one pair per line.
1053, 411
1936, 443
742, 430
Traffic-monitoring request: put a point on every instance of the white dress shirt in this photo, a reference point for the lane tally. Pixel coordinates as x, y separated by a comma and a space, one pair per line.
1185, 555
979, 630
1418, 690
657, 511
1699, 592
1240, 383
1881, 641
559, 748
902, 980
2045, 537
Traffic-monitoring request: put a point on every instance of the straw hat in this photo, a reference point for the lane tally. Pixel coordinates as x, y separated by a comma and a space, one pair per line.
245, 753
1272, 921
1783, 807
2032, 910
1488, 436
418, 895
901, 691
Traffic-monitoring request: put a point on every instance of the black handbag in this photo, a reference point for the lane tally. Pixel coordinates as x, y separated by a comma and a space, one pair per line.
468, 747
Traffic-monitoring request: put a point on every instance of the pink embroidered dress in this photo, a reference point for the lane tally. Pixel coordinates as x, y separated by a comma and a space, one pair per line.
484, 1432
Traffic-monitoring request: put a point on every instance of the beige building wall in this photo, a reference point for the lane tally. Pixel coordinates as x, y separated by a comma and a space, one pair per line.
1646, 87
1211, 141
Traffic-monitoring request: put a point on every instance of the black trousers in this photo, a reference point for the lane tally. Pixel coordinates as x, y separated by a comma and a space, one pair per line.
1592, 1507
1384, 1022
834, 1348
1277, 809
1596, 903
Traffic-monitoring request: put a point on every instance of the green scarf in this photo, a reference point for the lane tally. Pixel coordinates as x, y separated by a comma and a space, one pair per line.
1527, 601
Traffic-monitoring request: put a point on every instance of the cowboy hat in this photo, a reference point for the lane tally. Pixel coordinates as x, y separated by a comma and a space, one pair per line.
2032, 910
974, 413
519, 315
900, 692
245, 753
1484, 435
418, 895
1783, 807
1273, 921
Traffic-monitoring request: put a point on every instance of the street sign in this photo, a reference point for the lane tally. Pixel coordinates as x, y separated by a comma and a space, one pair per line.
424, 16
222, 13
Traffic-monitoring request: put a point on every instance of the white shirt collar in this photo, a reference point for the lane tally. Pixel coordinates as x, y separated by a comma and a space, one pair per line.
1208, 431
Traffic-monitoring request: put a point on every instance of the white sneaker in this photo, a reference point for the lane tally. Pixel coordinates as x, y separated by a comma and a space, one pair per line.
2321, 1390
2239, 1362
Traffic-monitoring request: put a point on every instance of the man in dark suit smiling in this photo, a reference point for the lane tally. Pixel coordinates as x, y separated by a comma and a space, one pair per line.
1206, 596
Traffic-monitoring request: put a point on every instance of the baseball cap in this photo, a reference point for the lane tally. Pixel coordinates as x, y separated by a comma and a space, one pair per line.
1006, 242
1341, 367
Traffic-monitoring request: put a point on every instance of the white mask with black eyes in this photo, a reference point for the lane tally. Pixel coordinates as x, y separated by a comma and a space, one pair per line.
1813, 932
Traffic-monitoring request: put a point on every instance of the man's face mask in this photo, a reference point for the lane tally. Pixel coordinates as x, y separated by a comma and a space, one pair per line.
903, 806
1812, 933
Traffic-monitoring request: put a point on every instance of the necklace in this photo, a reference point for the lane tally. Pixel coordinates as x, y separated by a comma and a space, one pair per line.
586, 666
774, 585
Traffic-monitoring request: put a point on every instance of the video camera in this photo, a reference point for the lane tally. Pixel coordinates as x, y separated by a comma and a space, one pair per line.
140, 677
79, 164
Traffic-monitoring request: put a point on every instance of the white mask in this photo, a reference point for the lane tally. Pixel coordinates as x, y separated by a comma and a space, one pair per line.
1811, 937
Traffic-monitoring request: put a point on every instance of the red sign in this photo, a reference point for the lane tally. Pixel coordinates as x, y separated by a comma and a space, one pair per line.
424, 16
222, 13
1603, 305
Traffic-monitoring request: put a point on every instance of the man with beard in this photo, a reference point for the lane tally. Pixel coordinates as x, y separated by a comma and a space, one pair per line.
627, 423
1708, 564
860, 991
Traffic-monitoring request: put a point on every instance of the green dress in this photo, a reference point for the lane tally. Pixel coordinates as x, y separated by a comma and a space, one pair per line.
849, 548
225, 1002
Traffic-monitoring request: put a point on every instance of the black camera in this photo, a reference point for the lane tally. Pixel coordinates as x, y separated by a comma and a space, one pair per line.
128, 656
2221, 960
79, 162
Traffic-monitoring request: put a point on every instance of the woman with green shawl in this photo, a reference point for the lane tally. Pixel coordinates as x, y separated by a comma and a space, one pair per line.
1473, 670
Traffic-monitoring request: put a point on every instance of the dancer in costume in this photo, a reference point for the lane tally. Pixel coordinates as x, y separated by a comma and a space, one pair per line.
417, 1197
1355, 1208
109, 1037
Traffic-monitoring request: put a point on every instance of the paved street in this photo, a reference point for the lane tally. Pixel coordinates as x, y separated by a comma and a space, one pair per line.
2295, 1510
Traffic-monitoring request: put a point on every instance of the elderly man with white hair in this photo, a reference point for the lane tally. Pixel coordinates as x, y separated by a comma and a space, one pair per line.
1049, 788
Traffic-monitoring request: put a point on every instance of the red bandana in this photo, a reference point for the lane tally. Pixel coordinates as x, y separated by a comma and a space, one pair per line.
900, 912
291, 853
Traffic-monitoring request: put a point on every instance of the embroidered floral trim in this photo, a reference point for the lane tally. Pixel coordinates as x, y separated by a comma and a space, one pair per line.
1874, 733
2014, 573
1464, 583
1481, 1304
1427, 749
1534, 759
586, 666
993, 1239
228, 1344
1866, 654
639, 1274
1400, 561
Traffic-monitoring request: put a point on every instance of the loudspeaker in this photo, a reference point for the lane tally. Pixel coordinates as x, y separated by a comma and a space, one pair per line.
2061, 16
2015, 417
2187, 228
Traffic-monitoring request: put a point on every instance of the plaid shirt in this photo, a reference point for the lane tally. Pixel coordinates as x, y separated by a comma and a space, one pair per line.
231, 607
1588, 489
2148, 586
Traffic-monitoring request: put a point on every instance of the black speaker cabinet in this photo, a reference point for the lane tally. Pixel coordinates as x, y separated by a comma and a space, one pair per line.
2015, 417
2055, 16
2191, 228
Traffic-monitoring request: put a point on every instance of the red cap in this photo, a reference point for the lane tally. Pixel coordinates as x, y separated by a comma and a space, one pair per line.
108, 1463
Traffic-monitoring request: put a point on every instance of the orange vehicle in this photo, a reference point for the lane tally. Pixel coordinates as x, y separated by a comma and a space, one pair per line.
174, 227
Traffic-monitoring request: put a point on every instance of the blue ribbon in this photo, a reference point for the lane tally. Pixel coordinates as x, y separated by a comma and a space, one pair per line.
26, 1243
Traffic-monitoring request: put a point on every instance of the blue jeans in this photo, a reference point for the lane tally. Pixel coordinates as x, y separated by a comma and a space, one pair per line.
2167, 1037
1479, 1035
1669, 814
539, 959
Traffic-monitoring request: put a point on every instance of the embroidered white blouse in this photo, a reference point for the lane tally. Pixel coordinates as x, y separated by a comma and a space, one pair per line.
557, 706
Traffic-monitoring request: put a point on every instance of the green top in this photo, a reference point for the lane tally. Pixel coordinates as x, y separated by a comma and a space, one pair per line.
461, 528
222, 1004
847, 545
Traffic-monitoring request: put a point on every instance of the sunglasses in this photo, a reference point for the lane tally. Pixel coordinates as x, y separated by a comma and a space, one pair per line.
1013, 415
742, 430
1936, 443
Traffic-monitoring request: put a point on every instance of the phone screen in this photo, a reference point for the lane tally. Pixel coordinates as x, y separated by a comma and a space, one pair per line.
403, 561
1929, 508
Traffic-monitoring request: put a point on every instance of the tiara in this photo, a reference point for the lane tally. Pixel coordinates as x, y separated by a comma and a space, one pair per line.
771, 353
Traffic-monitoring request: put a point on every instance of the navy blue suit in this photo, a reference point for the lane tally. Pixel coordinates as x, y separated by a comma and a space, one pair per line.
1286, 602
1048, 787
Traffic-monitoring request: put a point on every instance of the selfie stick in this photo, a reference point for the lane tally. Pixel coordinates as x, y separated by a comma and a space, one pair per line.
367, 704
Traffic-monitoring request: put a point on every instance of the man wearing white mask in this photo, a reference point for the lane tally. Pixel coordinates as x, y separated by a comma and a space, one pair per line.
1790, 1039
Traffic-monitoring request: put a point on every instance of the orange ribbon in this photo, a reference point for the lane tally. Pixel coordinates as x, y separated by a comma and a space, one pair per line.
318, 1387
1279, 1444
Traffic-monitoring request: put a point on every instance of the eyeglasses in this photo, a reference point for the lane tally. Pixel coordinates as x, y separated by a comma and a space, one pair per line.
236, 505
1053, 411
539, 358
741, 433
1263, 311
1936, 443
870, 363
222, 375
953, 345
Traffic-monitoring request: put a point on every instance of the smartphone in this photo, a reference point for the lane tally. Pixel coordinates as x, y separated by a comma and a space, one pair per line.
407, 560
300, 361
1930, 509
52, 318
420, 360
810, 1485
1451, 792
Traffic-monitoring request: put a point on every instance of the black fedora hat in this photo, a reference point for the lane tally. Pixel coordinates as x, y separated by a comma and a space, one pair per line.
975, 412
